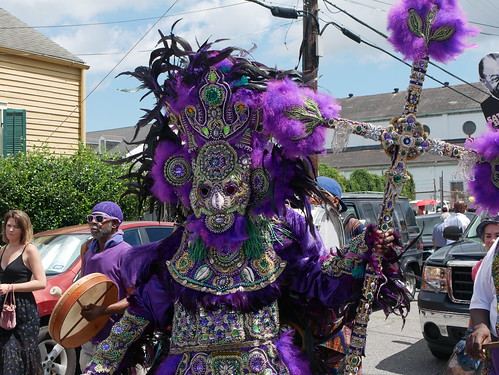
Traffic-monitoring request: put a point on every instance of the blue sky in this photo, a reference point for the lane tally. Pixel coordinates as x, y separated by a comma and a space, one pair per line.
113, 36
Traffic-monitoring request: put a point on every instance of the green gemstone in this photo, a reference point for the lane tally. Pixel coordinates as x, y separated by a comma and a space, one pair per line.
213, 77
226, 130
206, 131
213, 95
359, 128
409, 127
384, 226
397, 178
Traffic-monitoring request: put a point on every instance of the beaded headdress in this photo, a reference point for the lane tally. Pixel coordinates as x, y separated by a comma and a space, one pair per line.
231, 137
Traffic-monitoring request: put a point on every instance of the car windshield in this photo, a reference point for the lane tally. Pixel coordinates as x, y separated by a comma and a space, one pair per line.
475, 221
60, 251
428, 222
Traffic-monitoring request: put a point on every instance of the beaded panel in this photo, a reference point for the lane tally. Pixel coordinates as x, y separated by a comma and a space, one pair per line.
263, 361
222, 329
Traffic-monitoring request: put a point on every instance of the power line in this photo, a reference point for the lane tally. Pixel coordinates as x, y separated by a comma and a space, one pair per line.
386, 37
118, 22
484, 24
118, 63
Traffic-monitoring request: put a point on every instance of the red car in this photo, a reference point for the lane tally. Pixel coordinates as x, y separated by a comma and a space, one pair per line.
60, 253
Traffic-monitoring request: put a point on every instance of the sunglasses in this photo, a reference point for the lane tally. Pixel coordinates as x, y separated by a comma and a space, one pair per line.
100, 218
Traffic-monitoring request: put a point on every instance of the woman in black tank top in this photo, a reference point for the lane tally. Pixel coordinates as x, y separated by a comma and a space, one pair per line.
20, 266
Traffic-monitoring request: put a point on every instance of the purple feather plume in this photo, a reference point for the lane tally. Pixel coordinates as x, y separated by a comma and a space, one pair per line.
292, 356
414, 47
282, 96
483, 188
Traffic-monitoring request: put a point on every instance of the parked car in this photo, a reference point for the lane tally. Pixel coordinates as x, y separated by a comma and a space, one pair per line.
60, 253
367, 207
447, 288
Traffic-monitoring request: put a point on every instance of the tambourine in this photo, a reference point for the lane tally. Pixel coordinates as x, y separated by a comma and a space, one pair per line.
66, 325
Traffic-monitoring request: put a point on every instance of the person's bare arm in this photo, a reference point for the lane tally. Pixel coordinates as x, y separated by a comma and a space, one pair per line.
91, 312
480, 335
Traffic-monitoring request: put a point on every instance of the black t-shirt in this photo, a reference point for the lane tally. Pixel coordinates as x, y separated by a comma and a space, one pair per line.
490, 108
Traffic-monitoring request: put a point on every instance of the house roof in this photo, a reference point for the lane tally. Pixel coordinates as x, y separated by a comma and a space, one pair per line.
17, 35
121, 135
446, 99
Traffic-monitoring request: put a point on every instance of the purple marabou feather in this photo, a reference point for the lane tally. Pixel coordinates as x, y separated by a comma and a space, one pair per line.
231, 238
483, 188
292, 356
161, 188
282, 96
414, 47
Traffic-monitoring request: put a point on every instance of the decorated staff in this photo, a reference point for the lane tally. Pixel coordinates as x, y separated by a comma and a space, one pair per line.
421, 29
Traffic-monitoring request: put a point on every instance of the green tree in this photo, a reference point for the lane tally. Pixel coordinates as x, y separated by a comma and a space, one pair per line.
362, 180
327, 171
59, 190
409, 188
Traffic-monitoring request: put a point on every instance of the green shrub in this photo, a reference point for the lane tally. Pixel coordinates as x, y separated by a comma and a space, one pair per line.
57, 191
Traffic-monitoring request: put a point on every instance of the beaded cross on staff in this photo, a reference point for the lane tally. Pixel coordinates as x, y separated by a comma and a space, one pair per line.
420, 29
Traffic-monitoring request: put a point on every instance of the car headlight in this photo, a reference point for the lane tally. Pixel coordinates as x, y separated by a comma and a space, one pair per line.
434, 279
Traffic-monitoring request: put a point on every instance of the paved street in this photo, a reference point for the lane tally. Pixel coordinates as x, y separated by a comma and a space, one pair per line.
393, 350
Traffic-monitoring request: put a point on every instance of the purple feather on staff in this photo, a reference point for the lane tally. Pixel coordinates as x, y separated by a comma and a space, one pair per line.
435, 28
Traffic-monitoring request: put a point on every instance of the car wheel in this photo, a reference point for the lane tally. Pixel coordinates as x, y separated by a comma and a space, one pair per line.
56, 359
410, 283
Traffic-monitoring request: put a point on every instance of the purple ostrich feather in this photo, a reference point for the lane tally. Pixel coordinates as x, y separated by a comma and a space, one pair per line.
483, 188
415, 47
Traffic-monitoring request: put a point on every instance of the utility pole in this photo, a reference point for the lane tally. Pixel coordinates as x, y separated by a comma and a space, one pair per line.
310, 62
442, 189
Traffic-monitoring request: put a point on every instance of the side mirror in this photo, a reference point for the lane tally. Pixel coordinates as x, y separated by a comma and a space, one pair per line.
453, 233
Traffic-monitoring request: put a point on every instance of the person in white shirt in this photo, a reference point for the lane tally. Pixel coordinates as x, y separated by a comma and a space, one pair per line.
457, 218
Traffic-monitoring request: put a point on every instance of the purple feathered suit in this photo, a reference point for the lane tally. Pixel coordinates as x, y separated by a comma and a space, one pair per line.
251, 329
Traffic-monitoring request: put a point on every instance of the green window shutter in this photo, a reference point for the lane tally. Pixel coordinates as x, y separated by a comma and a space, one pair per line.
14, 131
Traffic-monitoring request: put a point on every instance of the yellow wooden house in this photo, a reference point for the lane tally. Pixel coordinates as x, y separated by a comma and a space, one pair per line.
42, 91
